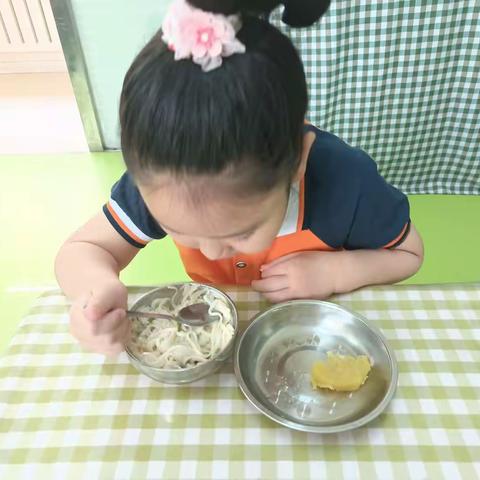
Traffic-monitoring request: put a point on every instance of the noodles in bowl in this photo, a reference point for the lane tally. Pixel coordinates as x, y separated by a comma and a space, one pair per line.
162, 345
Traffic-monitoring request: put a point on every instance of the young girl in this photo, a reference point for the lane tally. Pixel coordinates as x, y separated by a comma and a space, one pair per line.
220, 158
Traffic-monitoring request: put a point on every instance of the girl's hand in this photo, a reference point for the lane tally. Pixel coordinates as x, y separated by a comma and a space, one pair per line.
98, 319
300, 275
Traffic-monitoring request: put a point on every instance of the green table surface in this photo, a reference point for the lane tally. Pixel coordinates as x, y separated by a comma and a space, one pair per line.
44, 198
69, 414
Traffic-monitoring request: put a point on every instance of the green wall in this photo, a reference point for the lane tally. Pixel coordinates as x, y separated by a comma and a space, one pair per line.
112, 32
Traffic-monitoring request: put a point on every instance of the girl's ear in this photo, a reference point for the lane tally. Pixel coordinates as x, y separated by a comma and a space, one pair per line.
308, 140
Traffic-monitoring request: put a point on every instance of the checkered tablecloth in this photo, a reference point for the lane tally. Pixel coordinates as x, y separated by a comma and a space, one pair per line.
399, 78
65, 414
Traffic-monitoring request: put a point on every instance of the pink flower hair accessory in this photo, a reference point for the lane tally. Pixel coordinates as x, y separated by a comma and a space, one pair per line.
205, 37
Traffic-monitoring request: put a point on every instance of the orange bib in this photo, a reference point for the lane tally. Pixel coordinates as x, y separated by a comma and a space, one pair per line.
242, 269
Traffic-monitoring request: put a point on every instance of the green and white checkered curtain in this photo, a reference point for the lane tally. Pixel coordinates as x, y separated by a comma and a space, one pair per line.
400, 79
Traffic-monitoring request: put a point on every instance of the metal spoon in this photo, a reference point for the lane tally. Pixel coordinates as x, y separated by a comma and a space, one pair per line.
195, 315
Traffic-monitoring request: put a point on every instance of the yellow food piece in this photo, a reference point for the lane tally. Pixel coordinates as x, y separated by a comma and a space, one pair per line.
341, 373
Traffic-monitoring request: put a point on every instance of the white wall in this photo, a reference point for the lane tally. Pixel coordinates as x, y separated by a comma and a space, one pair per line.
28, 38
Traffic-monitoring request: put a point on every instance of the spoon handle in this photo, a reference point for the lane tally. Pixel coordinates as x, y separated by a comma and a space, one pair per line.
133, 313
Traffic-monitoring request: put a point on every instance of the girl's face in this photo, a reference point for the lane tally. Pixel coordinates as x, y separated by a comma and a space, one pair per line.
206, 215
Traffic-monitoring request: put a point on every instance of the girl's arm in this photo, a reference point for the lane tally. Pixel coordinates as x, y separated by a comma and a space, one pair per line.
87, 269
94, 255
322, 274
359, 268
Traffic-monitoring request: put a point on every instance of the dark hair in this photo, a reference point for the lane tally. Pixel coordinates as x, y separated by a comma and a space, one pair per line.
246, 116
297, 13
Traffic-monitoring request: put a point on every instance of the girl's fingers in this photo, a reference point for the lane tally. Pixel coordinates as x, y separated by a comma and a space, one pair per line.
108, 323
278, 296
267, 267
271, 284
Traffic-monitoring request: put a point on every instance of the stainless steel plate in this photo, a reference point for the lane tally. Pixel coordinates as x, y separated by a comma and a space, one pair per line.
274, 357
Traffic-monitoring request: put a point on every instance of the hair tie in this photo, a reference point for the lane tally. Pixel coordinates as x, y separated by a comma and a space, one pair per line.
205, 37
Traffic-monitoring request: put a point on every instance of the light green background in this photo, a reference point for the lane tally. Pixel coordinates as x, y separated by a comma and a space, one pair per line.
45, 198
112, 32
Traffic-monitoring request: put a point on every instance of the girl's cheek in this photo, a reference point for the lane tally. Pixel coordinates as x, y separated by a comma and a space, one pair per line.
185, 241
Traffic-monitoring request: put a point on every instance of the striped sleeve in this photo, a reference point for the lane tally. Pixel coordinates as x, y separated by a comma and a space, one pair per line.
129, 215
